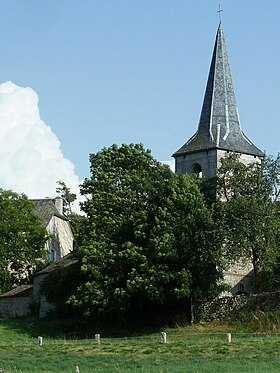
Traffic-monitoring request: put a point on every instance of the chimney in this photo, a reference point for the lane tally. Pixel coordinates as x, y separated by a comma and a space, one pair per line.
59, 204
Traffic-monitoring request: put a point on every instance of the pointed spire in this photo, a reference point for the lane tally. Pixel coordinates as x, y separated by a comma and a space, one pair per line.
219, 125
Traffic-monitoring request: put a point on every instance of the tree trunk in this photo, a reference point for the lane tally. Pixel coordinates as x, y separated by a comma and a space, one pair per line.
191, 310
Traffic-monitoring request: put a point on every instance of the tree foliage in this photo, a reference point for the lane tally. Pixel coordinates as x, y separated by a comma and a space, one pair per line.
148, 238
249, 210
78, 225
67, 196
22, 239
271, 266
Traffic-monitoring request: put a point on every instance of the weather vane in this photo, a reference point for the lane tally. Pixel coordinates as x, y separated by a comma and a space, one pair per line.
220, 11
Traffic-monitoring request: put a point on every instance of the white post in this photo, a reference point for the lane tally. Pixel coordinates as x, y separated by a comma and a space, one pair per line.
229, 337
40, 340
163, 337
97, 338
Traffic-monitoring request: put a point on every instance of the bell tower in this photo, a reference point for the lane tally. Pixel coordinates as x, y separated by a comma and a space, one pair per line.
219, 130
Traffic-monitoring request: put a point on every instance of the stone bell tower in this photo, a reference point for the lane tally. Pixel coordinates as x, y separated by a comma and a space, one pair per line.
219, 133
219, 130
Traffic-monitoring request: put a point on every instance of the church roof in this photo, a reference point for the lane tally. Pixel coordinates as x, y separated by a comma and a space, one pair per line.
219, 125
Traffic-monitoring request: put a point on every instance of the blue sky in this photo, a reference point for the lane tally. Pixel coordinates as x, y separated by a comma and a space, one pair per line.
130, 71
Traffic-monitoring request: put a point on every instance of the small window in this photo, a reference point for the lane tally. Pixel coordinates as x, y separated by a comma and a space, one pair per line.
52, 255
240, 288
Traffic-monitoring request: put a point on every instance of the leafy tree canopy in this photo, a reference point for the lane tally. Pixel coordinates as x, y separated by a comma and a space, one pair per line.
249, 210
148, 237
22, 239
67, 197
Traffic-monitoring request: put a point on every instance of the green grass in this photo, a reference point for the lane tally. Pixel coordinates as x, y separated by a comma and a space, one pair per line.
198, 348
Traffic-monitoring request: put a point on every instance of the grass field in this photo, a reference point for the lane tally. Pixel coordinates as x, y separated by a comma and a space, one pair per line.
190, 349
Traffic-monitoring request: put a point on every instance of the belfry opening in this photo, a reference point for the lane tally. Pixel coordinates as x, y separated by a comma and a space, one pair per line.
196, 169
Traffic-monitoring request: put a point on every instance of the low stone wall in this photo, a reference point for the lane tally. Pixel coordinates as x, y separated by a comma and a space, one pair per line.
230, 307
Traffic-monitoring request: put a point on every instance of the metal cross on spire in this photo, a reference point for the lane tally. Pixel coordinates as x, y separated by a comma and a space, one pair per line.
220, 11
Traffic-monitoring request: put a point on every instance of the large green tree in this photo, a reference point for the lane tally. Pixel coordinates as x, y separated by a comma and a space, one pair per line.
249, 211
149, 237
22, 239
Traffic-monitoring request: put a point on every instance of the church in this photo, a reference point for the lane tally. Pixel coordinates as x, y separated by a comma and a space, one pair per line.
219, 132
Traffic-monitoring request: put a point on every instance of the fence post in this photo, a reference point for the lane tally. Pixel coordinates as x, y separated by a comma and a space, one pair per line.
97, 338
40, 340
229, 337
163, 337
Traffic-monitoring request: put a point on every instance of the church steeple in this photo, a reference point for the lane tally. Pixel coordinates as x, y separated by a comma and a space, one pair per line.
219, 125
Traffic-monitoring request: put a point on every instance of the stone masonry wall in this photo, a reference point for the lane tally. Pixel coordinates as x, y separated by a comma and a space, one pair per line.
230, 307
15, 306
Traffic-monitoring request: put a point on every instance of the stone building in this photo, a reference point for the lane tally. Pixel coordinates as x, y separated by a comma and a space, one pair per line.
16, 302
19, 301
39, 299
59, 248
219, 132
50, 211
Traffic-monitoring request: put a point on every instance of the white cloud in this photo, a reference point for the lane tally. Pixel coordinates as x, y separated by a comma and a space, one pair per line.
31, 160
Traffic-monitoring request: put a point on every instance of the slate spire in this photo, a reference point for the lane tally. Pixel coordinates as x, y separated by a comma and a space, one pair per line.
219, 125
